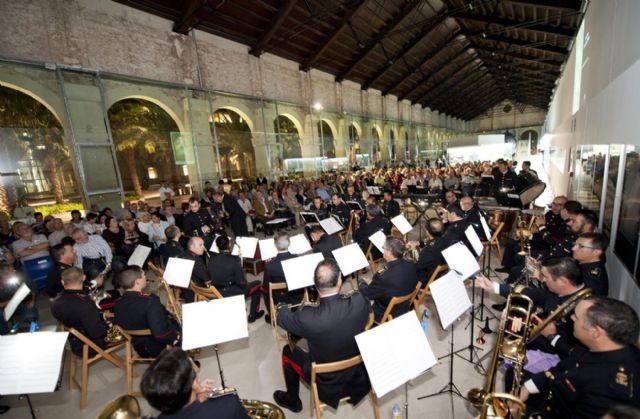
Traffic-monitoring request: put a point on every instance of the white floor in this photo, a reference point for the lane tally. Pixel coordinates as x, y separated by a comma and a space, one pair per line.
253, 367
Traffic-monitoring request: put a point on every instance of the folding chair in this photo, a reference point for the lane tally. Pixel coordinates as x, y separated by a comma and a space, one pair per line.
373, 263
422, 294
346, 234
398, 300
86, 361
316, 404
495, 239
132, 356
205, 293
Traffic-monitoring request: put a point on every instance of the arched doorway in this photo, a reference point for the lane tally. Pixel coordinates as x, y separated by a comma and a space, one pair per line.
34, 161
328, 147
354, 144
531, 136
288, 137
237, 155
145, 137
407, 151
392, 145
375, 149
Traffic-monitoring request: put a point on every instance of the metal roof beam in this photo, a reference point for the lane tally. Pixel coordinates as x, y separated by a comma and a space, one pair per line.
280, 17
189, 16
514, 24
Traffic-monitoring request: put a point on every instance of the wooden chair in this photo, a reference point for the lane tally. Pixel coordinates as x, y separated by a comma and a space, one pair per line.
373, 263
316, 404
422, 294
132, 356
205, 293
86, 361
274, 286
346, 234
398, 300
495, 240
172, 300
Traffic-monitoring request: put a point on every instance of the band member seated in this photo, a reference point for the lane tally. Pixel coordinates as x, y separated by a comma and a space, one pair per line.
594, 378
174, 247
75, 308
375, 222
226, 273
456, 224
472, 214
396, 279
198, 222
589, 252
93, 255
136, 310
197, 252
329, 327
430, 255
324, 243
237, 216
273, 273
390, 206
340, 210
450, 198
319, 208
171, 385
477, 188
64, 256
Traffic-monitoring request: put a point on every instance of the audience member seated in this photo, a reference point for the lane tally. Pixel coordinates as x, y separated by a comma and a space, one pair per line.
93, 255
29, 246
57, 232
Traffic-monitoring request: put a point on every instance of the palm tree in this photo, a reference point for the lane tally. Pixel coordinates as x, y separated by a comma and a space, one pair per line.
234, 144
288, 136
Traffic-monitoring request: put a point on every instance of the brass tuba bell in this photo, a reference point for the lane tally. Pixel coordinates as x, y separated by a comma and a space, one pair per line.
124, 407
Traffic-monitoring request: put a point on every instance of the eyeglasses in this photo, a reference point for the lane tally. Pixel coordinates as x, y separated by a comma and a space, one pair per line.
582, 246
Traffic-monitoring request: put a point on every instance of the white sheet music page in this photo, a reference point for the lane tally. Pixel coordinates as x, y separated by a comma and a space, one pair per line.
277, 221
460, 259
178, 272
451, 297
378, 240
139, 255
473, 238
31, 362
330, 225
402, 224
395, 352
299, 244
485, 227
247, 246
298, 272
267, 249
350, 258
208, 323
20, 294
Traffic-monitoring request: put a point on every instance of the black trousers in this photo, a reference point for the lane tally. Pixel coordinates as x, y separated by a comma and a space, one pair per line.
296, 366
251, 289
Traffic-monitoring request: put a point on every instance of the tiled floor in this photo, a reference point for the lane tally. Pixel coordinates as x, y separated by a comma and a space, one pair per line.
253, 367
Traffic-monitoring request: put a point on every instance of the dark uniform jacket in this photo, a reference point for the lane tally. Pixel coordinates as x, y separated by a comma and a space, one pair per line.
473, 217
228, 407
343, 212
429, 258
587, 384
330, 328
454, 232
171, 249
53, 286
321, 212
326, 244
200, 274
390, 208
226, 274
362, 234
506, 180
273, 272
135, 311
237, 216
76, 309
195, 221
396, 279
481, 189
595, 277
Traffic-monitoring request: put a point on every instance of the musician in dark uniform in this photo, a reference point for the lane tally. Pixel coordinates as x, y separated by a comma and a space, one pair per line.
589, 252
397, 278
136, 310
329, 327
472, 214
227, 275
199, 275
171, 386
237, 216
75, 308
351, 194
390, 206
603, 373
527, 175
478, 187
319, 208
198, 222
375, 222
174, 246
505, 182
430, 255
340, 210
324, 243
273, 273
456, 225
63, 255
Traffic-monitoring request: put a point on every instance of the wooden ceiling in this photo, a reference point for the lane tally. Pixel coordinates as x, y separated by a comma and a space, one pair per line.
459, 57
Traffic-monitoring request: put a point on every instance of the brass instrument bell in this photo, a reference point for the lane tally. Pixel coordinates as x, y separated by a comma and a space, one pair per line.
124, 407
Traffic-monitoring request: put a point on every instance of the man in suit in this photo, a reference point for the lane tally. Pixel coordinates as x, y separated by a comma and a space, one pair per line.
329, 326
237, 216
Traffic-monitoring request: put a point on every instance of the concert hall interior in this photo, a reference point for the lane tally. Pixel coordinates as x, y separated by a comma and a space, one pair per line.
341, 208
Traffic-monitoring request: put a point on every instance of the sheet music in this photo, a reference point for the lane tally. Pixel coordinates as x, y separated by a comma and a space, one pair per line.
402, 224
277, 221
247, 246
378, 240
451, 297
139, 255
178, 272
267, 249
208, 323
31, 362
473, 238
20, 294
299, 244
214, 247
350, 258
460, 259
310, 217
298, 272
395, 352
373, 190
353, 204
485, 227
331, 225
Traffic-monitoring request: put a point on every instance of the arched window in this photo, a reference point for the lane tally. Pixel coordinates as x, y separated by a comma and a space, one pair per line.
237, 155
392, 145
287, 134
376, 144
328, 147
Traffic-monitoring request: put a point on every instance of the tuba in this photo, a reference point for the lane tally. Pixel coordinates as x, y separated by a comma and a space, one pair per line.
257, 409
516, 330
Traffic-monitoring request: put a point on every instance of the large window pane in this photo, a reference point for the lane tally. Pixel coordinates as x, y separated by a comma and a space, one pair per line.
99, 168
612, 186
589, 175
626, 245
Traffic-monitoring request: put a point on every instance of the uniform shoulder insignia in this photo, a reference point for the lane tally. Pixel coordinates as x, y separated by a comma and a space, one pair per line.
382, 269
622, 378
349, 294
309, 304
595, 271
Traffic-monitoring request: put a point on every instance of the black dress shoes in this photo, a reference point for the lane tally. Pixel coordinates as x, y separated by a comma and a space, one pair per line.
503, 270
256, 316
498, 307
283, 399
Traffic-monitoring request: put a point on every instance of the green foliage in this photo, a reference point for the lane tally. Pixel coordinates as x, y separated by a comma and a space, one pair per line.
133, 197
58, 208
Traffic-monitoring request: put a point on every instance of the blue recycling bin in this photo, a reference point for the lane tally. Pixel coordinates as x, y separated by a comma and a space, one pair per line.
38, 269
